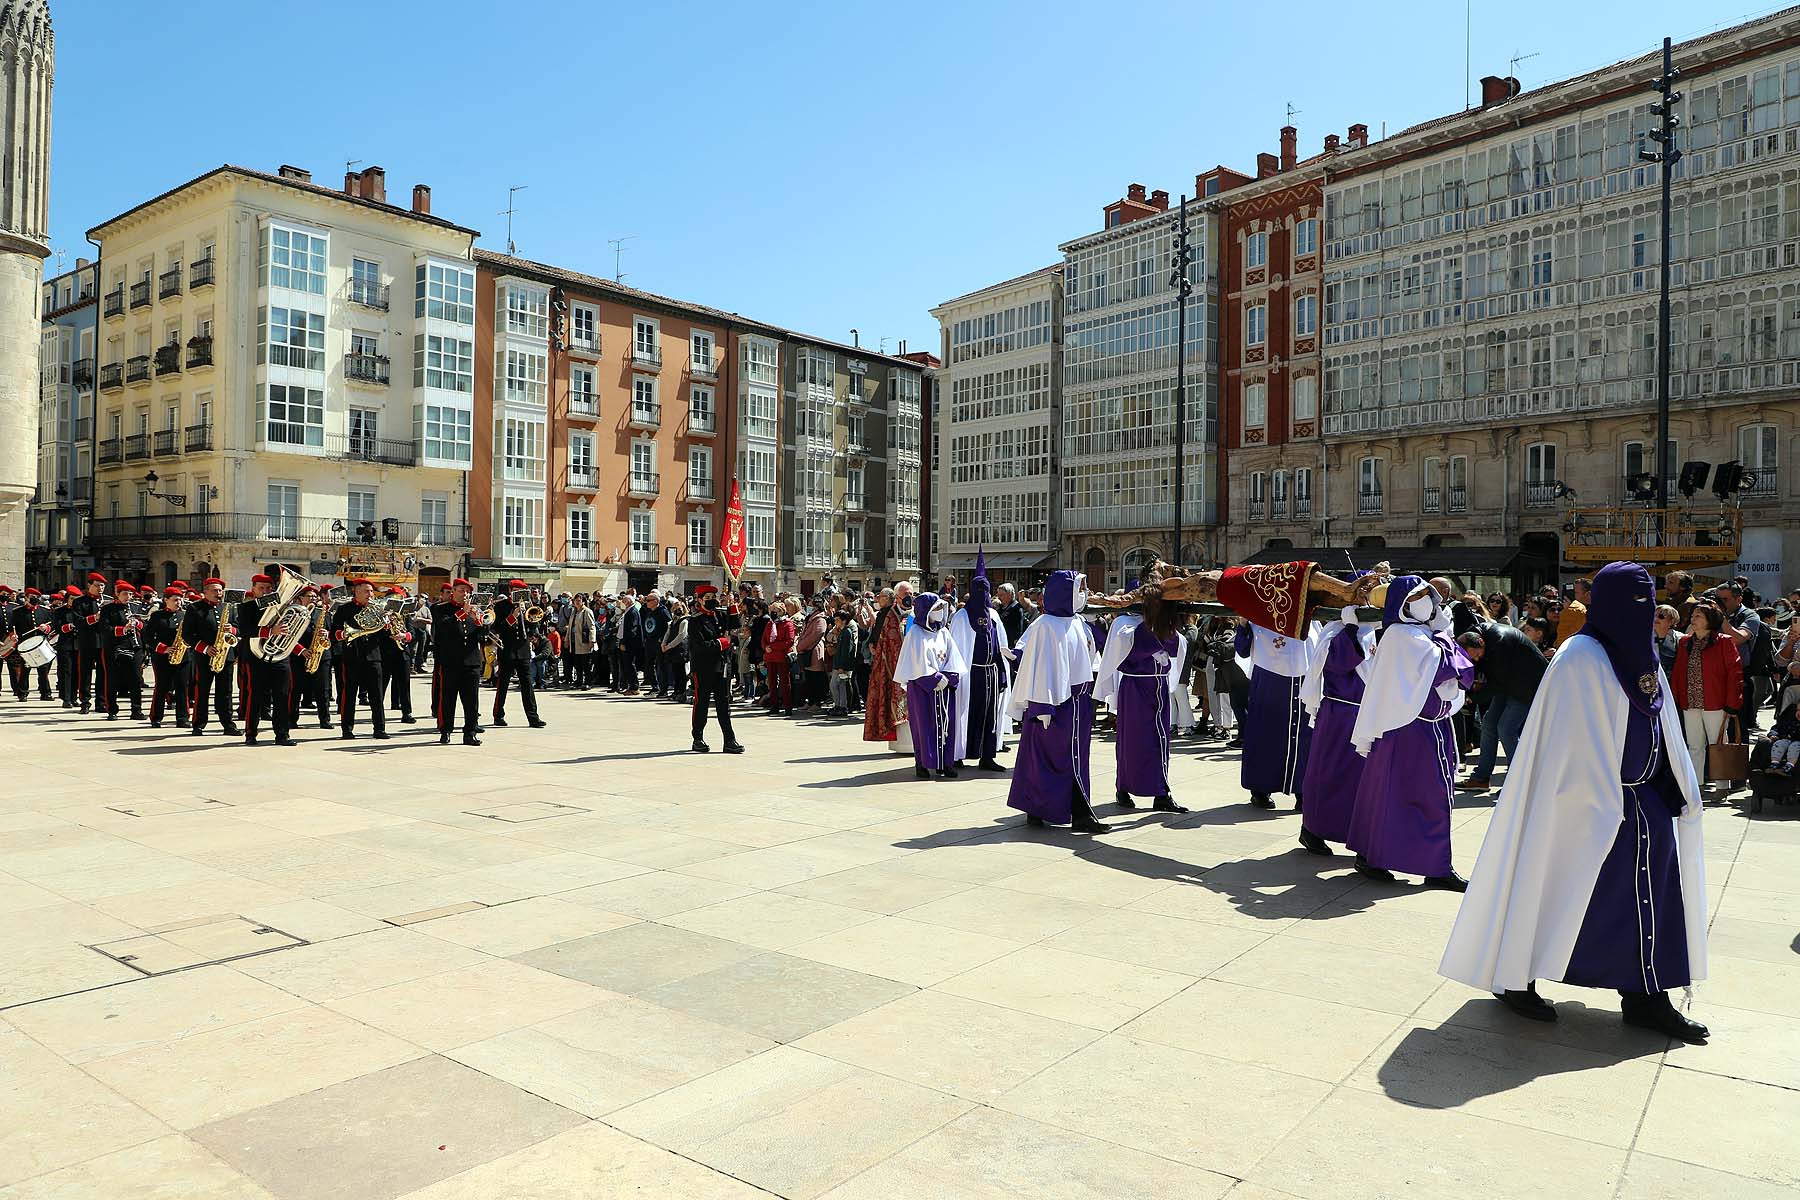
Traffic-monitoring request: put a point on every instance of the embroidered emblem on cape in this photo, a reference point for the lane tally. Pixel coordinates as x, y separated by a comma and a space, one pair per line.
1647, 684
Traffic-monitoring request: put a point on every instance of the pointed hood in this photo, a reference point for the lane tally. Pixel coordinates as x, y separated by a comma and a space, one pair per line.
981, 594
1621, 616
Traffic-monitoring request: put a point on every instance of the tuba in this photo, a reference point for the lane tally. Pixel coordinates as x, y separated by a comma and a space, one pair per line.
321, 642
178, 648
283, 622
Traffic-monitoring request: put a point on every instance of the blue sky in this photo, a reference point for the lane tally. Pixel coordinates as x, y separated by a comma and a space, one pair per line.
821, 166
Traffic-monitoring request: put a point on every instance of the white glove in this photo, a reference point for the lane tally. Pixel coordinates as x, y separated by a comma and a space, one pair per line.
1348, 616
942, 683
1044, 720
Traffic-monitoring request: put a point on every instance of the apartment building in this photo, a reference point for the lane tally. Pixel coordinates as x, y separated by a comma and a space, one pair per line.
249, 409
998, 421
56, 544
1119, 369
609, 410
850, 465
1489, 315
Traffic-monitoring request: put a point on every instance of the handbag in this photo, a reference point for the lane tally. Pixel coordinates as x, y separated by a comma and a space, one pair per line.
1728, 759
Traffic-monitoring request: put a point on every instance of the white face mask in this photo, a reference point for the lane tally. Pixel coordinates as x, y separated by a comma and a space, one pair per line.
1081, 594
1422, 608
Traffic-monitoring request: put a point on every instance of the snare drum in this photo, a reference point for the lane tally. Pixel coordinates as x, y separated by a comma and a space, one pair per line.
35, 650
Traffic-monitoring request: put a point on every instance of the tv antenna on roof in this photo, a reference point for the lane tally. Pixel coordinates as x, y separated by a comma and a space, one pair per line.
1292, 112
618, 245
1512, 67
351, 162
507, 212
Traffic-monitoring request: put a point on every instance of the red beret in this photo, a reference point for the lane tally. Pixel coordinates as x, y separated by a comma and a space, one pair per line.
308, 588
461, 583
96, 577
396, 590
213, 580
704, 589
515, 584
72, 590
123, 586
4, 590
33, 592
261, 579
359, 581
174, 590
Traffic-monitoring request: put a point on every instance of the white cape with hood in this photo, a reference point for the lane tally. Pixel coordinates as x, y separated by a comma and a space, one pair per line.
1119, 639
962, 632
927, 652
1554, 825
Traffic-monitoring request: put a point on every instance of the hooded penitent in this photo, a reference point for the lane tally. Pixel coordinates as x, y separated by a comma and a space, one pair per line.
981, 595
1622, 618
1404, 668
982, 692
1057, 651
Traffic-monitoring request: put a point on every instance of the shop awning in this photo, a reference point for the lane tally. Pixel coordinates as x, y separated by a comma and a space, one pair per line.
962, 564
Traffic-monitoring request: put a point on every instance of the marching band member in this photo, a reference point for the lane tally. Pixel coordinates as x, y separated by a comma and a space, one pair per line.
204, 622
15, 666
159, 635
309, 689
515, 657
456, 636
119, 642
709, 647
358, 663
91, 672
396, 664
446, 595
265, 684
31, 617
67, 660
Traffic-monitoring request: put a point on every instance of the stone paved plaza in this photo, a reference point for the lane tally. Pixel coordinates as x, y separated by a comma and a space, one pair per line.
582, 962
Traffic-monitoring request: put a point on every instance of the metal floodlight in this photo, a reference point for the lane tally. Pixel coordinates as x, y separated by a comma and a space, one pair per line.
1693, 477
390, 528
1728, 480
1642, 485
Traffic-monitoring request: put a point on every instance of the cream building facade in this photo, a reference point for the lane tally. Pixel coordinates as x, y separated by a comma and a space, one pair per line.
286, 374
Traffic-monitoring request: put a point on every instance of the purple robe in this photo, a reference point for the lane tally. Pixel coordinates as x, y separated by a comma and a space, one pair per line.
932, 713
1401, 820
1633, 936
1334, 769
986, 682
1142, 704
1277, 738
1052, 763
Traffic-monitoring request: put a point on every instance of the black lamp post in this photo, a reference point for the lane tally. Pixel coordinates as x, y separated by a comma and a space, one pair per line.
1179, 263
1668, 156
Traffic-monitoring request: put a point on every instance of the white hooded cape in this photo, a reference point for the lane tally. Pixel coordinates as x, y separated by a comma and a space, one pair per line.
927, 652
1398, 683
1119, 638
1312, 692
962, 632
1056, 656
1554, 825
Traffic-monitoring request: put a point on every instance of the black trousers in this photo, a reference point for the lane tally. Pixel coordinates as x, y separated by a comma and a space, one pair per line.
308, 691
68, 669
359, 679
396, 665
168, 690
509, 667
454, 685
90, 679
210, 693
267, 693
123, 677
712, 688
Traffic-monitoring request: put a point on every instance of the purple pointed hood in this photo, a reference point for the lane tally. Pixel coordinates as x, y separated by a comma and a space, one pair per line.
1621, 616
981, 594
1060, 591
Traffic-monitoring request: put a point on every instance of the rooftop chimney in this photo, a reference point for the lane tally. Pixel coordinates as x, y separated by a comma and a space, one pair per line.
1135, 192
1289, 139
422, 198
374, 184
82, 264
1495, 89
1159, 200
300, 174
352, 183
1331, 143
1266, 165
1359, 136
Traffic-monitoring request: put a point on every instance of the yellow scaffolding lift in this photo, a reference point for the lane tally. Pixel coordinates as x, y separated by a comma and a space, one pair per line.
1663, 539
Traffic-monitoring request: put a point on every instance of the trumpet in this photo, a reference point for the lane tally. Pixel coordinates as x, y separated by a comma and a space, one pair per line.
178, 648
221, 651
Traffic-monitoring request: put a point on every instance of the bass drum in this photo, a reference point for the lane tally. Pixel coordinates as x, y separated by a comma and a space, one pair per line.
36, 650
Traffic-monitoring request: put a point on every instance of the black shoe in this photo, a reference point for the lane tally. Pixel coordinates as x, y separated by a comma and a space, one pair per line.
1089, 825
471, 741
921, 772
1124, 799
1312, 843
382, 735
250, 739
988, 764
700, 747
347, 736
407, 720
1528, 1003
1166, 803
443, 739
1261, 800
196, 731
1652, 1010
499, 722
1367, 871
324, 724
180, 724
733, 748
231, 731
1033, 820
1449, 883
284, 740
112, 716
535, 723
156, 724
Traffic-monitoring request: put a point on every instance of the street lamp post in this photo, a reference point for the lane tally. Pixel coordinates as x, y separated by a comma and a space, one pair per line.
1180, 279
1667, 156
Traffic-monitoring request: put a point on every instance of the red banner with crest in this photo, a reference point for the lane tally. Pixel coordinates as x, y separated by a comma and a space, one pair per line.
733, 549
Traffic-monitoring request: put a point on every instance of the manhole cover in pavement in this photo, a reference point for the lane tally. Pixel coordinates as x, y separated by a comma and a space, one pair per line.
198, 943
530, 810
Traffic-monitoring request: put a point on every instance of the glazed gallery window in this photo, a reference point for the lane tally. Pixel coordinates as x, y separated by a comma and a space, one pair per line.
449, 433
289, 337
519, 445
527, 312
293, 259
444, 293
293, 416
445, 363
523, 381
522, 527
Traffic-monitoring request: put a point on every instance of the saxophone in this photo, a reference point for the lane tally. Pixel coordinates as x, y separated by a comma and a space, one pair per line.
221, 651
178, 648
321, 641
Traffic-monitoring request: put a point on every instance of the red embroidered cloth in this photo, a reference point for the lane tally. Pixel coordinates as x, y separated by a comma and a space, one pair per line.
1273, 596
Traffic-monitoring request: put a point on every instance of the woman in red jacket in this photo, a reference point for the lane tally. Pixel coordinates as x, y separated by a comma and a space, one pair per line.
778, 643
1707, 680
